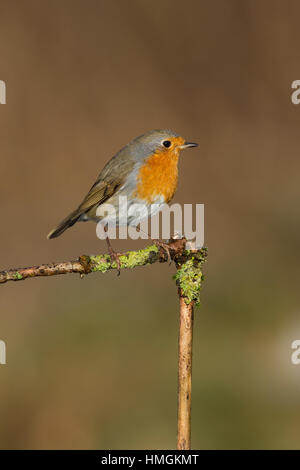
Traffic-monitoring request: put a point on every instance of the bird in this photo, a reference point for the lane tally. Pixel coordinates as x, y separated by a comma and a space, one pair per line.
145, 171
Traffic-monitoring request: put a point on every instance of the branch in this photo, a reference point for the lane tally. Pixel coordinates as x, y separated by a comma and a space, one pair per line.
185, 346
188, 278
86, 264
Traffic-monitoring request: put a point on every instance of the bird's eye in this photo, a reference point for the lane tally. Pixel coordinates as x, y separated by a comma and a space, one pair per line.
167, 143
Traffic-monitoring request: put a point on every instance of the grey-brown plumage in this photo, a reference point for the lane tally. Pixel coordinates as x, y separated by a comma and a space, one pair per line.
111, 178
118, 176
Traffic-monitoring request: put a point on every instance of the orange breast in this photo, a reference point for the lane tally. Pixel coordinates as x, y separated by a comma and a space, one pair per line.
158, 177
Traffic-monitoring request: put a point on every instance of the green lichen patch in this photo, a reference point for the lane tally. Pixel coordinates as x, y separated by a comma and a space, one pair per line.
18, 276
129, 260
100, 263
189, 278
139, 258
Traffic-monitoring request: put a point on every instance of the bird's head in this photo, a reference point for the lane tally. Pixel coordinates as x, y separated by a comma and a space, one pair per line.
159, 142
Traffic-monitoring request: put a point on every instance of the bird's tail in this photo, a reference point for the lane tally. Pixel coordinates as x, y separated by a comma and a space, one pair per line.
64, 224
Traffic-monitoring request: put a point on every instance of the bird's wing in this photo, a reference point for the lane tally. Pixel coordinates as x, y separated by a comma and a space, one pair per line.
111, 178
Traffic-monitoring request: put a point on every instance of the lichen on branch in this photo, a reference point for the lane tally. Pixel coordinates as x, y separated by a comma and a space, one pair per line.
188, 263
189, 275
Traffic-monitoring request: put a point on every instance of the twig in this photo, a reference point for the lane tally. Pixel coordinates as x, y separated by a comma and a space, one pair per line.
86, 264
188, 279
186, 319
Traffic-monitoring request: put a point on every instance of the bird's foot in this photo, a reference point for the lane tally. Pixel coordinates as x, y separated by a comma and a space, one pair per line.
165, 247
115, 257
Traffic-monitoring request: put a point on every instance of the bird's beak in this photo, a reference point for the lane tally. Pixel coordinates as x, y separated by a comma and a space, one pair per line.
187, 145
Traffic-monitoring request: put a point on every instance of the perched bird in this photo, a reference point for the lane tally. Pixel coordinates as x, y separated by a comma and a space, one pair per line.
145, 171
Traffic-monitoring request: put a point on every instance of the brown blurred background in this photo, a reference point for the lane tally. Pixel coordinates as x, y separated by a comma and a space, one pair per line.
93, 363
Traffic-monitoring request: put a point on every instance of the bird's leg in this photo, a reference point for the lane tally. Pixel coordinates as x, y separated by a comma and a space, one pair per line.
165, 247
114, 256
160, 244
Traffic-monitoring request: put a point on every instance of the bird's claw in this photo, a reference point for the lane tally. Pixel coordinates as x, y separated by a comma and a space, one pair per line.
115, 257
165, 247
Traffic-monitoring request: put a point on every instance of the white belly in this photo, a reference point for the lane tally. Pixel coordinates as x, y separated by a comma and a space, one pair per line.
129, 212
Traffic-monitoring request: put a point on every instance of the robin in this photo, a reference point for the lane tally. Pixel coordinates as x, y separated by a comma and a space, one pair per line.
145, 171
